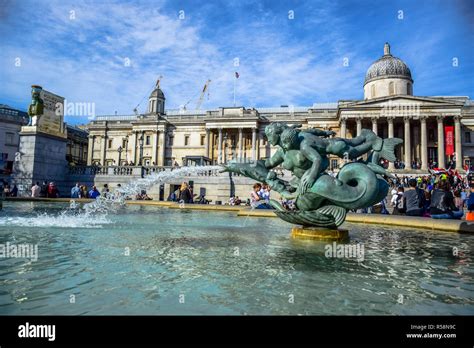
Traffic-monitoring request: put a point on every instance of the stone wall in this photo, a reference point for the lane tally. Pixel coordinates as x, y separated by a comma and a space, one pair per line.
42, 157
215, 186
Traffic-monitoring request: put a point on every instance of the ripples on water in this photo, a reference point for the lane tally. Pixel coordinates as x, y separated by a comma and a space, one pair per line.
222, 264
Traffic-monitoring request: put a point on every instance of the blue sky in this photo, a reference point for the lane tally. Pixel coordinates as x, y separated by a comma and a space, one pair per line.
297, 61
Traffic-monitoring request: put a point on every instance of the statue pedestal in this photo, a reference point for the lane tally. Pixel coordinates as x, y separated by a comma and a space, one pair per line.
41, 157
319, 233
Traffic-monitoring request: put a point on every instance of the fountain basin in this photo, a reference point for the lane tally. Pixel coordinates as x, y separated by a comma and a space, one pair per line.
223, 264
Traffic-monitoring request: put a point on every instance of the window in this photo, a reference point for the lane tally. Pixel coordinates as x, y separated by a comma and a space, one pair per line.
171, 140
147, 140
110, 143
467, 137
124, 143
372, 91
203, 139
409, 89
391, 88
9, 138
431, 134
186, 140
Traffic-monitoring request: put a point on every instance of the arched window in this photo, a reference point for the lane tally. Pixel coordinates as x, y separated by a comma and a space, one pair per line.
391, 88
372, 91
409, 89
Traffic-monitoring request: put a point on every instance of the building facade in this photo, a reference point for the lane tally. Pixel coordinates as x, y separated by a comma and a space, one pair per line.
11, 121
436, 130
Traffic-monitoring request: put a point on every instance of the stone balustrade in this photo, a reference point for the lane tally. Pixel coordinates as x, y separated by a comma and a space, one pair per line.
141, 171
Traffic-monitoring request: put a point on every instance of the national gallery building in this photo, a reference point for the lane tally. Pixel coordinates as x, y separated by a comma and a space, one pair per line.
436, 130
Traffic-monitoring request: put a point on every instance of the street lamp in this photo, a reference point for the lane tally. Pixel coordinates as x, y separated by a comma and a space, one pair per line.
141, 150
119, 150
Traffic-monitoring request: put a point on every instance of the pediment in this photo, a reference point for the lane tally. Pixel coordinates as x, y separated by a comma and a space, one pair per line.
405, 99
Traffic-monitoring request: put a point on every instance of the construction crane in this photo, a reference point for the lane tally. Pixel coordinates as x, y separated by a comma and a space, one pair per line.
201, 96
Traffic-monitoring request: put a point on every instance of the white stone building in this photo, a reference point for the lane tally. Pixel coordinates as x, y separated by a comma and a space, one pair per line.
436, 130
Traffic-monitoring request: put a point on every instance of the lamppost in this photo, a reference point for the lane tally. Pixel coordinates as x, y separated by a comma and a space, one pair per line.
119, 150
141, 150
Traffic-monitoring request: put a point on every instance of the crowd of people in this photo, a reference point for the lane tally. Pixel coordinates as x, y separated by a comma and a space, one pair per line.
440, 195
260, 196
7, 190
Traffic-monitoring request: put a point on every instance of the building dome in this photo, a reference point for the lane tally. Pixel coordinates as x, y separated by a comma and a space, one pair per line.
387, 67
157, 93
388, 76
156, 100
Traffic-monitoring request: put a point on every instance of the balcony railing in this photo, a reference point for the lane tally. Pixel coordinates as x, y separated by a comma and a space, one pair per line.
142, 171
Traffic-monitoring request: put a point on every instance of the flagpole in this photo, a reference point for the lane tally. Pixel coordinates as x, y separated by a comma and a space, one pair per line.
235, 79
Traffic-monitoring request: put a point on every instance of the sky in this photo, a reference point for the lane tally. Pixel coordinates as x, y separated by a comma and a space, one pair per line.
109, 54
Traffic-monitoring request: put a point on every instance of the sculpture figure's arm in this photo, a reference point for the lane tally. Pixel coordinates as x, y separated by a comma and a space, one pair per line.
320, 132
310, 176
275, 160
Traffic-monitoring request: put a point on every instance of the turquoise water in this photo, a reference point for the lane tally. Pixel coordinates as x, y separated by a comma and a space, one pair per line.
194, 262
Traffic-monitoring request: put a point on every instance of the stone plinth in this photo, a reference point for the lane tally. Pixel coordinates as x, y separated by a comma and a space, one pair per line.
41, 157
319, 233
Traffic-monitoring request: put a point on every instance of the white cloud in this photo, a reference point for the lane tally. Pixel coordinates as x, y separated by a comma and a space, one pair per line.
83, 60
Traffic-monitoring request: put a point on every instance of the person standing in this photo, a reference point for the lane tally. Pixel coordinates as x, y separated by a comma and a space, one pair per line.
53, 191
185, 194
44, 189
398, 202
94, 193
105, 190
36, 190
75, 191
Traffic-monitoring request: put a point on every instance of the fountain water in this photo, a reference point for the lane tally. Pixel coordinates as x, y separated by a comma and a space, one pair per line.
118, 198
95, 213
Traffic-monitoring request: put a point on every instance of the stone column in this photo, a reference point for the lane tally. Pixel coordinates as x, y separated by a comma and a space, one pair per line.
90, 150
424, 144
374, 125
343, 127
219, 147
254, 143
441, 161
208, 139
391, 165
240, 145
407, 142
458, 142
359, 125
155, 148
134, 150
103, 150
162, 145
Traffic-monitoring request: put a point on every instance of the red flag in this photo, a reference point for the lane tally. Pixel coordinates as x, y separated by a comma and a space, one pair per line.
449, 140
237, 75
